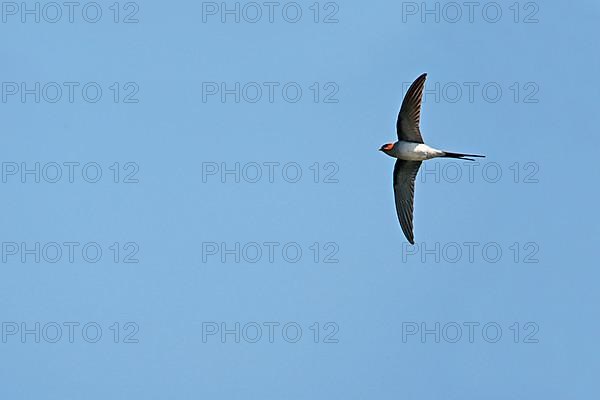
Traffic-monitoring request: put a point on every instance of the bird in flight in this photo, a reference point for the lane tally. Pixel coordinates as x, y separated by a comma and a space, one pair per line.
410, 151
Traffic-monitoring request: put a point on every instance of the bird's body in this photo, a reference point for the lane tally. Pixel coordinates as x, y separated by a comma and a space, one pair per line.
410, 151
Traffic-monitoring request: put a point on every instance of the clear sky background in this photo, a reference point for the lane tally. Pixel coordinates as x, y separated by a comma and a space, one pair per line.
371, 306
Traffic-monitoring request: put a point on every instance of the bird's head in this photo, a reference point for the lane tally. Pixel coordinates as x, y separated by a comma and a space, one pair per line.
387, 148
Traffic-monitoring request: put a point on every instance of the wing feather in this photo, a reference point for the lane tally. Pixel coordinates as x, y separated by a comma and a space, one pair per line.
409, 117
405, 173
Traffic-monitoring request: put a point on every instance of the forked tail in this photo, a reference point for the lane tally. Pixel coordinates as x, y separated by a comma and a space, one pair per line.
460, 155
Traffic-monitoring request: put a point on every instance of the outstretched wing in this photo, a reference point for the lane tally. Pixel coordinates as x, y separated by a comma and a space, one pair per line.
409, 116
405, 173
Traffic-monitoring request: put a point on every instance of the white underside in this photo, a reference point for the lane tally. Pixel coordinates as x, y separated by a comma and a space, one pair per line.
411, 151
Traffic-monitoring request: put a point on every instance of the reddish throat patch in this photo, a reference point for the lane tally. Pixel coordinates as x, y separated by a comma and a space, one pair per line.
388, 146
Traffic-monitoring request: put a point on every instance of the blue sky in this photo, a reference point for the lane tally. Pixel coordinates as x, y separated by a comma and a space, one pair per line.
162, 238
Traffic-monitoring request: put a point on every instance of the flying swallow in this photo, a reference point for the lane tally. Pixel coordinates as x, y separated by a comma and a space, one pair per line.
410, 151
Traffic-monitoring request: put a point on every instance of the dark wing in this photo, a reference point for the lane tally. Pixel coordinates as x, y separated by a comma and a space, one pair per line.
405, 173
409, 116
